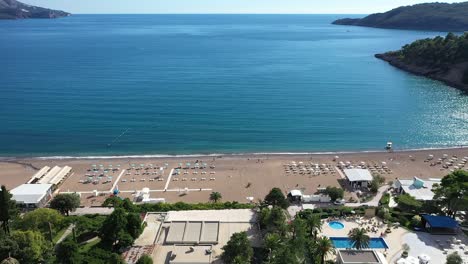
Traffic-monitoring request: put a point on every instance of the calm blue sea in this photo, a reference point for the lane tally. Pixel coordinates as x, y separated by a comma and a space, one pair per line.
190, 84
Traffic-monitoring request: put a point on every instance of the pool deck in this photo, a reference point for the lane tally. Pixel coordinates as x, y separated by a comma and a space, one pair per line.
393, 239
418, 242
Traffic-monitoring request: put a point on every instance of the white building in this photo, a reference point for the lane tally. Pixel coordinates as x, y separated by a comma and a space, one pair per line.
420, 189
358, 177
32, 195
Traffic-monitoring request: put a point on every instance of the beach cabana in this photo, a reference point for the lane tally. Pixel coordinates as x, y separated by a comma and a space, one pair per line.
439, 224
295, 195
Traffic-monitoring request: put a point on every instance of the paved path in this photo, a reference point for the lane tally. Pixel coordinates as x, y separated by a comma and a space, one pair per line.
168, 179
66, 233
375, 201
117, 181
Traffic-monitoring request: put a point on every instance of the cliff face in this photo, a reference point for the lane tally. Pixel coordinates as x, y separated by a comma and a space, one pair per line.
12, 9
453, 76
430, 16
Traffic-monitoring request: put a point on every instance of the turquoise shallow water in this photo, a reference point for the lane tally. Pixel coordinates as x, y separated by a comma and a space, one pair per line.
185, 84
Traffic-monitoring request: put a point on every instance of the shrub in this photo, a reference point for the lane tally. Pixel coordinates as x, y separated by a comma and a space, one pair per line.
416, 220
385, 200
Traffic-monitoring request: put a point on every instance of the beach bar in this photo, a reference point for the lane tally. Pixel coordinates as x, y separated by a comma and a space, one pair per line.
358, 177
441, 225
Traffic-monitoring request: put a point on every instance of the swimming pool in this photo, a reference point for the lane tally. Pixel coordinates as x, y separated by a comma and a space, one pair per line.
336, 225
344, 242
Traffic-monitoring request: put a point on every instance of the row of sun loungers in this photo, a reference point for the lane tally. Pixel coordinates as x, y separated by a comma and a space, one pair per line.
193, 179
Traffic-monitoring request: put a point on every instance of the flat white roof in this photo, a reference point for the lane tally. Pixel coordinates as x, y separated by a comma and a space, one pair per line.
295, 193
60, 175
51, 174
423, 193
226, 216
30, 193
358, 175
40, 173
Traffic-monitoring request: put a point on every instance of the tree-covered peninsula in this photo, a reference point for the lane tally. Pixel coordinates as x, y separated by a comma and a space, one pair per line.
429, 16
439, 58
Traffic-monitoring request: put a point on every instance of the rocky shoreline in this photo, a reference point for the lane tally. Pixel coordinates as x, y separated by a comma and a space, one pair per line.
452, 77
12, 9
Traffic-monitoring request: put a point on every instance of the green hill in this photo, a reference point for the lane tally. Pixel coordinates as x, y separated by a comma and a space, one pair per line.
444, 59
430, 16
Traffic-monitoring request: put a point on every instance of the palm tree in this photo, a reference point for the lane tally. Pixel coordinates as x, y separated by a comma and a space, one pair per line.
359, 238
314, 224
215, 197
323, 247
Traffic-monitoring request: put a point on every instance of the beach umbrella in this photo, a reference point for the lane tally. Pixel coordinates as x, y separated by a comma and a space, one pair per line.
456, 167
445, 156
180, 164
142, 165
363, 163
165, 164
384, 163
337, 157
424, 258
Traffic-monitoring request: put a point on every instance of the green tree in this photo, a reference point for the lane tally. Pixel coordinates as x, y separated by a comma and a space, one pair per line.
65, 203
129, 206
323, 247
112, 227
67, 252
113, 201
314, 223
276, 198
237, 249
335, 193
408, 203
134, 225
359, 238
454, 258
298, 241
215, 197
43, 220
273, 242
33, 247
8, 209
8, 247
452, 193
145, 259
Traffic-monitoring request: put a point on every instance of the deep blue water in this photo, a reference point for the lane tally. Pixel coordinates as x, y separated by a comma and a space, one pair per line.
184, 84
344, 242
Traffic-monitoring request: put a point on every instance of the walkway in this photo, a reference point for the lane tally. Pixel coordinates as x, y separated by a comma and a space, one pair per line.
374, 202
66, 233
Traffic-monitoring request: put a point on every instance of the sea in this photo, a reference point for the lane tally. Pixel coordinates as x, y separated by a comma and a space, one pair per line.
201, 84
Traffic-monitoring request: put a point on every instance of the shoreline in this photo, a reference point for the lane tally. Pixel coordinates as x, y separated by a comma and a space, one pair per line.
224, 155
448, 77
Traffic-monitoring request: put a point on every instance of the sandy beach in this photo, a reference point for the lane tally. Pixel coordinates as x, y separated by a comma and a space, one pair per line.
236, 177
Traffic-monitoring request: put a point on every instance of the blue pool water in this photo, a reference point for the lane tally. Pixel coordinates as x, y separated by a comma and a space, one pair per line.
344, 242
336, 225
199, 84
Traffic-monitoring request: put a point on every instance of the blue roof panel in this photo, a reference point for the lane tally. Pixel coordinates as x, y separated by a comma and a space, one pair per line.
440, 221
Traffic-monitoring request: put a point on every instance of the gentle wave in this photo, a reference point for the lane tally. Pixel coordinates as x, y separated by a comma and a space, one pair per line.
230, 154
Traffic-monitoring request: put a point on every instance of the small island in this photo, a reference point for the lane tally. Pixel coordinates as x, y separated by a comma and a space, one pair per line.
429, 16
12, 9
439, 58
